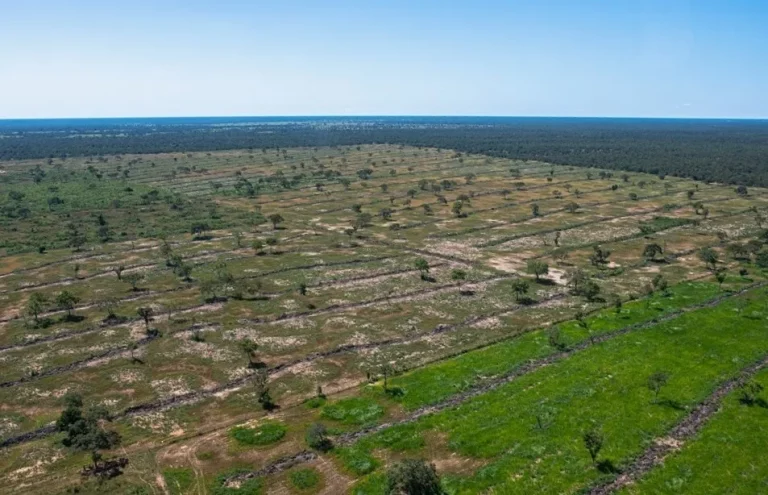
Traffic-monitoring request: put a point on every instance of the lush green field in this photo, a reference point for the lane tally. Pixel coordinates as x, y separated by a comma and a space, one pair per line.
728, 448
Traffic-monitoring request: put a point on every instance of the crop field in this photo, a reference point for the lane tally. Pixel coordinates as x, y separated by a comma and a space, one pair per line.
295, 321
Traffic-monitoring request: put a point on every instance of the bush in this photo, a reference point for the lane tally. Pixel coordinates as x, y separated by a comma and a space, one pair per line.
251, 486
264, 434
357, 461
355, 410
317, 437
178, 480
413, 476
304, 479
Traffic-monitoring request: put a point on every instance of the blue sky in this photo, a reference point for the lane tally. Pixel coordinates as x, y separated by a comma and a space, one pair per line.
634, 58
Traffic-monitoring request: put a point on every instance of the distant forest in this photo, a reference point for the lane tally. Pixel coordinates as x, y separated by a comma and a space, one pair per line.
733, 152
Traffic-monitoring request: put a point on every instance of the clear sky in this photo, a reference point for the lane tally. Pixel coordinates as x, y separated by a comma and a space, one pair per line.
635, 58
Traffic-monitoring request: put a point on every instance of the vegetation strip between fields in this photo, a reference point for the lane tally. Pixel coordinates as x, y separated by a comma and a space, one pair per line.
687, 428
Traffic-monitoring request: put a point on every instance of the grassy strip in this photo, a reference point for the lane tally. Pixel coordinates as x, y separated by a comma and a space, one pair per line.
528, 432
437, 382
725, 453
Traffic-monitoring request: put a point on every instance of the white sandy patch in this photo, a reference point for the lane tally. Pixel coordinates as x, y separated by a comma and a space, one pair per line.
492, 322
170, 387
127, 376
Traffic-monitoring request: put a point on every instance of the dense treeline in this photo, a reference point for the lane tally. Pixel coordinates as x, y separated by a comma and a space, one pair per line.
716, 150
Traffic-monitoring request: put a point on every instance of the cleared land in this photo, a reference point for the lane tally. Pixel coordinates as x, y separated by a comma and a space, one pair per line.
345, 265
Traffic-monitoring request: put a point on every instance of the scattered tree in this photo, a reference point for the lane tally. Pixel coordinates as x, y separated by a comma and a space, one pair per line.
423, 266
133, 278
275, 219
537, 268
656, 382
520, 288
459, 276
36, 305
413, 477
593, 441
145, 313
599, 256
262, 390
66, 301
249, 347
651, 251
317, 437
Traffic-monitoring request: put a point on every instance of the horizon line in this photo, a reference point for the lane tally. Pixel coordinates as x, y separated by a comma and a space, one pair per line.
321, 116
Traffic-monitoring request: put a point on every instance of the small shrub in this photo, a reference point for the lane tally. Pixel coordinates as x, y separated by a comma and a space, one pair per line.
355, 410
250, 486
264, 434
304, 479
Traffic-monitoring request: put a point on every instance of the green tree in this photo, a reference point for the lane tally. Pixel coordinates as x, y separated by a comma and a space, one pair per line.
145, 312
710, 257
317, 437
651, 251
83, 429
363, 220
423, 267
599, 256
456, 209
520, 288
258, 246
133, 278
660, 284
537, 268
275, 219
459, 276
593, 441
720, 276
656, 382
249, 347
413, 477
264, 398
36, 305
66, 301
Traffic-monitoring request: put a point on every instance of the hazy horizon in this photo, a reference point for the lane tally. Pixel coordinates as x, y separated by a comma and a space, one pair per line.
515, 58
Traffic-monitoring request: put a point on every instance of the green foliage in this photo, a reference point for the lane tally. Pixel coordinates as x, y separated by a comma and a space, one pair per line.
66, 301
179, 481
249, 486
317, 437
358, 461
36, 305
520, 288
657, 224
537, 268
305, 478
656, 382
266, 433
82, 427
721, 458
354, 410
423, 266
66, 218
593, 441
414, 477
